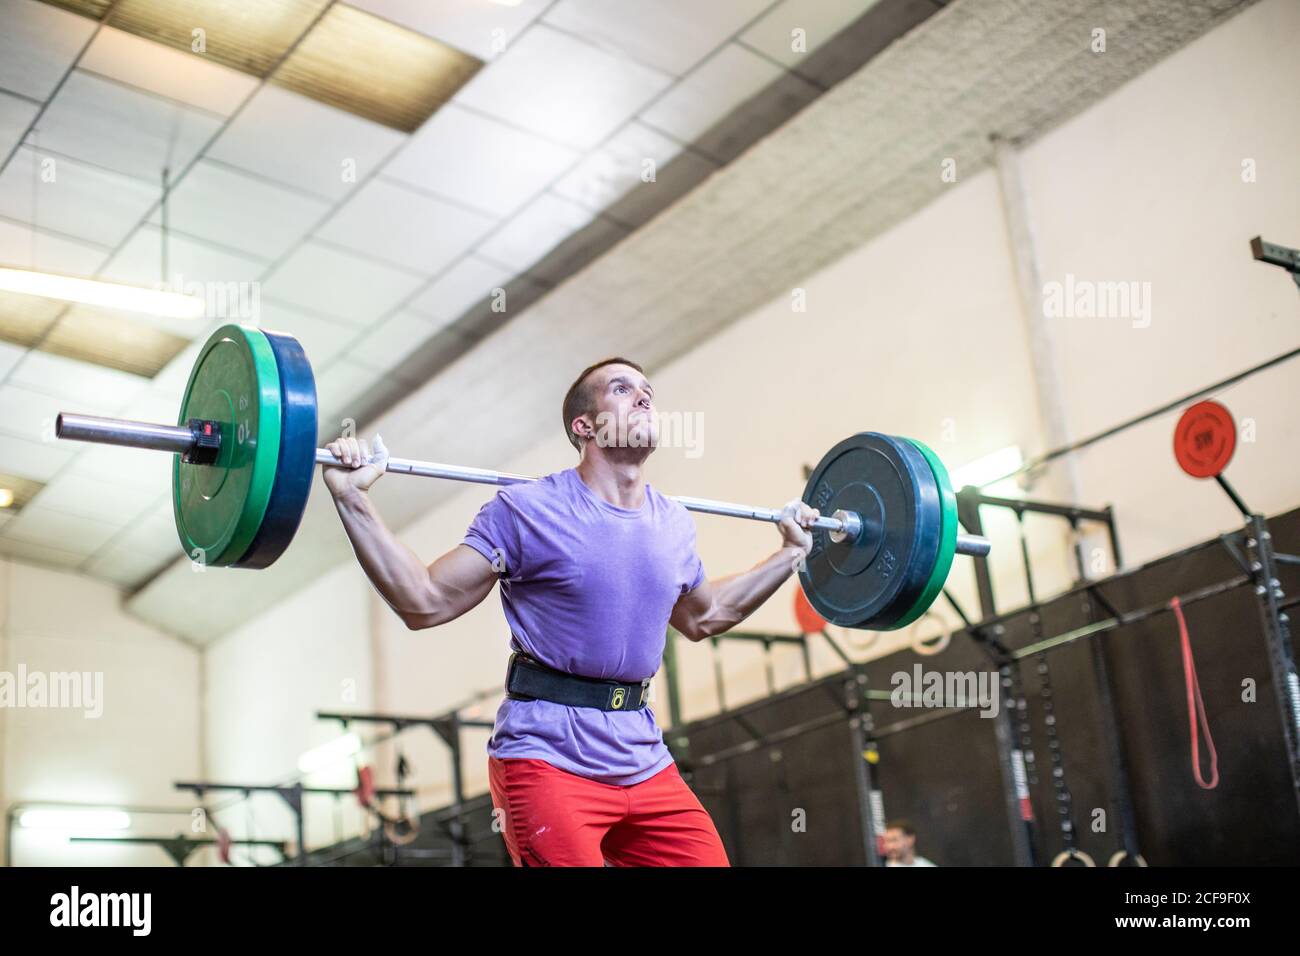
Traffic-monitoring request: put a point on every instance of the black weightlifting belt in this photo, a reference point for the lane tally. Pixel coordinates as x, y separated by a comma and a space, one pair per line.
530, 679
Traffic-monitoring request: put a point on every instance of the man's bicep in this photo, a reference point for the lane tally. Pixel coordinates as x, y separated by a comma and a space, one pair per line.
691, 608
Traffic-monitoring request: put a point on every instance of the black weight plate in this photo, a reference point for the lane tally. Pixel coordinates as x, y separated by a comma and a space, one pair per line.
871, 582
297, 463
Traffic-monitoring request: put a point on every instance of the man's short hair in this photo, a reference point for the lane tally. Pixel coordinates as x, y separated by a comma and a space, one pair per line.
578, 400
904, 825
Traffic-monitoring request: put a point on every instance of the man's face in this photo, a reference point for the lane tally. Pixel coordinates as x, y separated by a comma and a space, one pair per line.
625, 412
898, 844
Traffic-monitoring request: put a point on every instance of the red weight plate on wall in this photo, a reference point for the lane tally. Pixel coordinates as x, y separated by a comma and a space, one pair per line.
1204, 439
810, 622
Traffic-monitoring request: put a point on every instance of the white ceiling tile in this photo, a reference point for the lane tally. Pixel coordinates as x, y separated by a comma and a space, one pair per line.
125, 567
121, 128
160, 405
94, 386
27, 414
132, 467
152, 534
539, 228
326, 280
194, 267
321, 338
475, 26
722, 83
392, 341
669, 35
28, 248
167, 72
58, 529
299, 142
37, 45
773, 33
606, 174
139, 261
411, 229
340, 385
464, 284
562, 88
106, 501
16, 114
9, 356
80, 201
39, 553
38, 461
479, 161
240, 210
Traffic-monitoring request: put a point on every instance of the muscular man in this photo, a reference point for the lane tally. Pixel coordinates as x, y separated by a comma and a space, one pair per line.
594, 564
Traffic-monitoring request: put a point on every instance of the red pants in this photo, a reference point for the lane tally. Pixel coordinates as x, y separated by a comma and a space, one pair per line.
556, 818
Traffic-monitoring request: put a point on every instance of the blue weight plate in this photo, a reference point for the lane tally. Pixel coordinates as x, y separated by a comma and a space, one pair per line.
871, 582
297, 463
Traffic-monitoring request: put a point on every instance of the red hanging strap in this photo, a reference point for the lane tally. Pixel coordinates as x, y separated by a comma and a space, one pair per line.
1195, 705
365, 789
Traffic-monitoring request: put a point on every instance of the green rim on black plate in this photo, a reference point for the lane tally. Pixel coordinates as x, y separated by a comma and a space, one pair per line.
947, 537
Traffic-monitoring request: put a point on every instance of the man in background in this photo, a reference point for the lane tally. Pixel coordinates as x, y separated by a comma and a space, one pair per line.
900, 845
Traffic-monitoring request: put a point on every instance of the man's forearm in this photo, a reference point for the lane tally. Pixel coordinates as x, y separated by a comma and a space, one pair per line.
740, 595
397, 573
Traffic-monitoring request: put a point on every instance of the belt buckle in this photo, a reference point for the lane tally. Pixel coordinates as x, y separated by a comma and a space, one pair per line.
645, 690
515, 658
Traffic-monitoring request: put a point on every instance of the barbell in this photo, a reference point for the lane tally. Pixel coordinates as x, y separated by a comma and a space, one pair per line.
245, 447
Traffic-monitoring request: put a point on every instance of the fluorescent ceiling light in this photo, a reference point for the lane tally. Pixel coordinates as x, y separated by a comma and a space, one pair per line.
16, 491
375, 69
330, 52
326, 754
109, 295
78, 820
249, 37
989, 468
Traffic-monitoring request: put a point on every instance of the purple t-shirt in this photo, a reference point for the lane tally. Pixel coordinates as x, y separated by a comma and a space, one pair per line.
587, 587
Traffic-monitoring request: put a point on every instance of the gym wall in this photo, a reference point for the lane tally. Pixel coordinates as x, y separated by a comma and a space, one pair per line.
146, 736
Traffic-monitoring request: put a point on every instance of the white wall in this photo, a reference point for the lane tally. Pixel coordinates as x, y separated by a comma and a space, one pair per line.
923, 331
265, 682
144, 737
1148, 186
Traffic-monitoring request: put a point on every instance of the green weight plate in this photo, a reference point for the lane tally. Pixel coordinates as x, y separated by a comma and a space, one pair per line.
947, 538
219, 507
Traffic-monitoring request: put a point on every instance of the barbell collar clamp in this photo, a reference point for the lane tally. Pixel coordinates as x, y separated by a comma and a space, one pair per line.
851, 526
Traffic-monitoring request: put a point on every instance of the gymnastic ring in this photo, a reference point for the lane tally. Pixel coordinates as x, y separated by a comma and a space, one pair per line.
1065, 855
939, 646
1120, 856
857, 639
